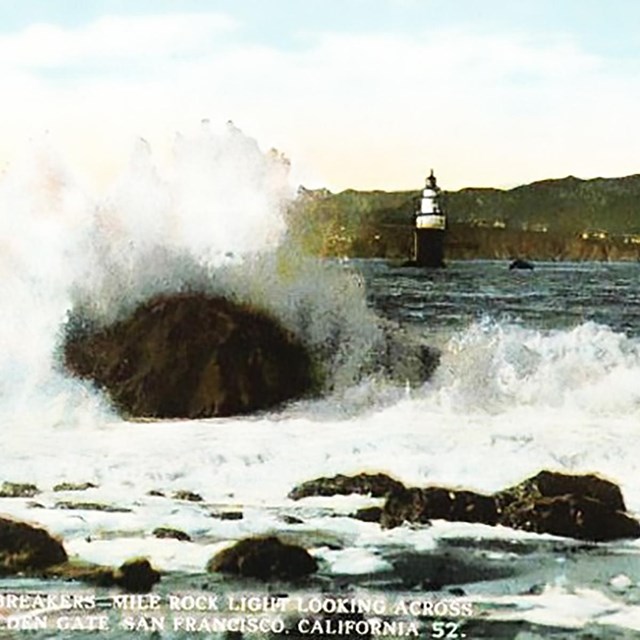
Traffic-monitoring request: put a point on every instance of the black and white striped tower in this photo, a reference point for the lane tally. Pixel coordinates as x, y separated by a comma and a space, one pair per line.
430, 226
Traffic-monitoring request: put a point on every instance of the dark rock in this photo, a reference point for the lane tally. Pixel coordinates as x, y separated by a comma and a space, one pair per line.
18, 490
155, 493
376, 485
571, 516
228, 515
404, 358
437, 503
190, 356
81, 572
73, 486
90, 506
585, 507
24, 548
287, 519
519, 263
136, 576
166, 532
264, 558
189, 496
369, 514
549, 484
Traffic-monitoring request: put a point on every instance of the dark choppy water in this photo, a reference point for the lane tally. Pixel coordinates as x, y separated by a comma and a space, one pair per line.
555, 295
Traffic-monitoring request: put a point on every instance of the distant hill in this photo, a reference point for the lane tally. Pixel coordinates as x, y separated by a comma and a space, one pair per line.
548, 216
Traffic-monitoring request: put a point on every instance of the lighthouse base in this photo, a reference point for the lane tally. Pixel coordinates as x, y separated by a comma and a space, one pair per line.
429, 248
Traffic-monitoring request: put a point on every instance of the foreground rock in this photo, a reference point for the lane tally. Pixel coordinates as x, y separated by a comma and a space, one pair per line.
32, 551
437, 503
27, 549
585, 507
190, 356
264, 558
134, 576
18, 490
376, 485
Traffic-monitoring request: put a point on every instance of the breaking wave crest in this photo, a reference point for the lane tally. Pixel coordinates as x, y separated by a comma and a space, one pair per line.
495, 366
212, 221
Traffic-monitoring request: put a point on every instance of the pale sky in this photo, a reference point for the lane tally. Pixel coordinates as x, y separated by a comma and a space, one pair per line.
367, 94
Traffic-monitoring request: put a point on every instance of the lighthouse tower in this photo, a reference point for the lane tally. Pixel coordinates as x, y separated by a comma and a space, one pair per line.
430, 227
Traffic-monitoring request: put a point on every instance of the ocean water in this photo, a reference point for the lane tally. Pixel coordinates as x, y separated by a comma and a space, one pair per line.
539, 370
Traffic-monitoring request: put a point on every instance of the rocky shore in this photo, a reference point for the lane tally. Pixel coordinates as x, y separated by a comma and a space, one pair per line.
584, 507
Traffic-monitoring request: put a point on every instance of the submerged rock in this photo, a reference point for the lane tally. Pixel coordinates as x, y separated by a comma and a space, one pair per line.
376, 485
405, 358
188, 496
520, 263
264, 558
74, 486
437, 503
190, 356
90, 506
26, 549
18, 490
227, 515
174, 534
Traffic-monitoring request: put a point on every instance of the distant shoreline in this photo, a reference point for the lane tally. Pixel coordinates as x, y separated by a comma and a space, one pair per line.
567, 219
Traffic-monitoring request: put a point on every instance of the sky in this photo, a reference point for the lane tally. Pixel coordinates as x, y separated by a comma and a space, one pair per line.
364, 94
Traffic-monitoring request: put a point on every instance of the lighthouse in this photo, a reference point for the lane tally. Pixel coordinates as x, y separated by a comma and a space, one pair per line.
430, 226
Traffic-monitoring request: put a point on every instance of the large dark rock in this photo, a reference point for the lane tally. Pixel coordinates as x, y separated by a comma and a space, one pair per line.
27, 549
376, 485
549, 484
586, 507
190, 356
571, 516
437, 503
264, 558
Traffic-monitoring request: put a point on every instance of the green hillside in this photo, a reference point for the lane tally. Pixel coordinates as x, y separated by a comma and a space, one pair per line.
378, 223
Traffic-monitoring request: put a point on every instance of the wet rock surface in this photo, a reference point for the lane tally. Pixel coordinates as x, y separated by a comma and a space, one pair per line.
437, 503
90, 506
25, 548
264, 558
174, 534
136, 576
18, 490
585, 507
133, 576
375, 485
74, 486
190, 356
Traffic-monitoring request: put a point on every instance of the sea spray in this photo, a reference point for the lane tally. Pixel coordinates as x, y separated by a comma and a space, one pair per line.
496, 367
213, 221
215, 224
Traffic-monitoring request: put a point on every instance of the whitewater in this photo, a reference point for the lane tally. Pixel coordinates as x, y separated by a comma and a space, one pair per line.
537, 371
